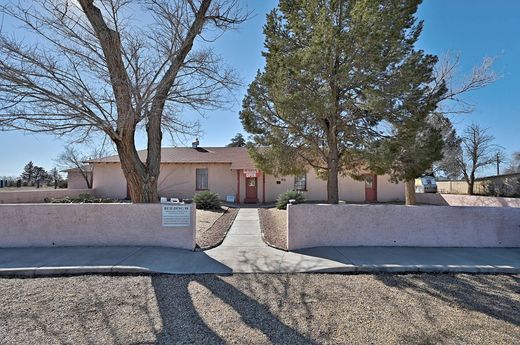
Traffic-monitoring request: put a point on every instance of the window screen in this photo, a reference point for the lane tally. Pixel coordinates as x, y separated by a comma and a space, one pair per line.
202, 179
300, 182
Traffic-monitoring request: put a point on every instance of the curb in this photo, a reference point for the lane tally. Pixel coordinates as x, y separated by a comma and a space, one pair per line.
372, 269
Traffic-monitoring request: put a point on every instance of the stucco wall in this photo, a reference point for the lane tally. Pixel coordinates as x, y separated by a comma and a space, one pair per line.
389, 191
399, 225
38, 196
50, 225
349, 189
109, 180
503, 185
179, 180
466, 200
76, 181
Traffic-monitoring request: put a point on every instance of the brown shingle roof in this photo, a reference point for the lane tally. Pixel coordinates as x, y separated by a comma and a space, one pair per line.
236, 156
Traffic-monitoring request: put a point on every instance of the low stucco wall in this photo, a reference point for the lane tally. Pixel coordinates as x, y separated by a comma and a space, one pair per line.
38, 196
48, 225
466, 200
398, 225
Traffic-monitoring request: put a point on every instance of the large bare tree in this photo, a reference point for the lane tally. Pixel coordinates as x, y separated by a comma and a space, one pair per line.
478, 151
116, 66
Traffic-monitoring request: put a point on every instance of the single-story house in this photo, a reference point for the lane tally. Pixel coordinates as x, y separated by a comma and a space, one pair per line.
231, 173
75, 178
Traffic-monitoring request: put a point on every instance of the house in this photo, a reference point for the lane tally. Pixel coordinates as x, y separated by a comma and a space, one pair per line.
75, 178
231, 173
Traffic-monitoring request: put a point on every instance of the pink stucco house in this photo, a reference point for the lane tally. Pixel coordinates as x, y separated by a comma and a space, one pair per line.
230, 172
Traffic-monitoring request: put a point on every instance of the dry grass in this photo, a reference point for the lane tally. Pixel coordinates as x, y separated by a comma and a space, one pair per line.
274, 226
262, 309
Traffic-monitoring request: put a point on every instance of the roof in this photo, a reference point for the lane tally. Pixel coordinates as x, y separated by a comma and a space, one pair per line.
236, 156
70, 170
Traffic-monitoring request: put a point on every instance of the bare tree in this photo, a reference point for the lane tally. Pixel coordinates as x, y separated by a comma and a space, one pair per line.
514, 164
478, 151
115, 66
72, 158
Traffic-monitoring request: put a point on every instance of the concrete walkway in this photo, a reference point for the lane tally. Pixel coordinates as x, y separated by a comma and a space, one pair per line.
243, 251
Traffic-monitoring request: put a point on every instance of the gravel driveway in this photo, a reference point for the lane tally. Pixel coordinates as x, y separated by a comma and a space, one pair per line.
262, 309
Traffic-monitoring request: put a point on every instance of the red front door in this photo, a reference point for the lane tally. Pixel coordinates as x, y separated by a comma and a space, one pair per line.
251, 190
370, 188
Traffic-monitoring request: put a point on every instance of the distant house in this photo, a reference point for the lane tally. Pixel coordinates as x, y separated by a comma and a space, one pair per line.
230, 172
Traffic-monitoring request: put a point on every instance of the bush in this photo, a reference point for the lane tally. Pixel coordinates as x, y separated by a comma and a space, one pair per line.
83, 198
207, 200
283, 199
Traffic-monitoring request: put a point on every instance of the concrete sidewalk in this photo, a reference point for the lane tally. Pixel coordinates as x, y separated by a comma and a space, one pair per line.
78, 260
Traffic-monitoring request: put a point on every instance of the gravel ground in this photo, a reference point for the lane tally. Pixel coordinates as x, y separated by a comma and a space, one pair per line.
212, 226
274, 227
262, 309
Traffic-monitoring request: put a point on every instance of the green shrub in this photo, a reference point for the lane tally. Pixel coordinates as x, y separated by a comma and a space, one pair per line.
283, 199
83, 198
207, 200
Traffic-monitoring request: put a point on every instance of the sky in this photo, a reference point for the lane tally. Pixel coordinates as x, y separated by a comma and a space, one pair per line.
472, 28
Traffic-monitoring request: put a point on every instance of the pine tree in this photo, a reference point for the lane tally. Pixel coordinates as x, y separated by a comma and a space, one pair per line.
237, 141
27, 175
340, 77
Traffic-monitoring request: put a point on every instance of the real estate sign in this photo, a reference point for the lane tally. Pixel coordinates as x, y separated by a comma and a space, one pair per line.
176, 215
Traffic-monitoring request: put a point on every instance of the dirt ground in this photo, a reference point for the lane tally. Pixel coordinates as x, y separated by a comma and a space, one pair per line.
274, 226
262, 309
212, 226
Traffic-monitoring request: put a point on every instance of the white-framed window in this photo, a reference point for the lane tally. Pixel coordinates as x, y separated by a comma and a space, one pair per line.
300, 182
201, 179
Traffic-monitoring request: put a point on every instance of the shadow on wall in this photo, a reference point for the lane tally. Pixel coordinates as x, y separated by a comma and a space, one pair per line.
465, 291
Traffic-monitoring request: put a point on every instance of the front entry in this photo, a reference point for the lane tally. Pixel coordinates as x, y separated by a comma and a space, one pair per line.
371, 188
251, 190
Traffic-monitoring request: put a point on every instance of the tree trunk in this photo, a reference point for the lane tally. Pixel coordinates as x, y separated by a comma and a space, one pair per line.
409, 192
470, 188
332, 178
471, 183
142, 183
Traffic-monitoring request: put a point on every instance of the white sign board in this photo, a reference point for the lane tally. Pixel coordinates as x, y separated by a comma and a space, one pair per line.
230, 198
176, 215
250, 172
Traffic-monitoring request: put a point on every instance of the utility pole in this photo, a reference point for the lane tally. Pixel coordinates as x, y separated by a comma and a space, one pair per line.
498, 163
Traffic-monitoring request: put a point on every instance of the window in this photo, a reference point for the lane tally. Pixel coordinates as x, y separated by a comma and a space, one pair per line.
201, 179
300, 182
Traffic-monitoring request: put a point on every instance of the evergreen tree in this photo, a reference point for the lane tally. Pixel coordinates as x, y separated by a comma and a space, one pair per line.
237, 141
27, 175
341, 77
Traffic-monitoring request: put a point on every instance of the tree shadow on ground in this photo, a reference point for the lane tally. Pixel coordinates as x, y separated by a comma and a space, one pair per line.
183, 323
477, 293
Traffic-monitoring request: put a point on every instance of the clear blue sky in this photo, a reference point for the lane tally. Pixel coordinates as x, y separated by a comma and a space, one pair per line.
473, 28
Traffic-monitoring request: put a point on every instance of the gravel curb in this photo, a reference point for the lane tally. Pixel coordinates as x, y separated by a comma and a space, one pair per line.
222, 226
269, 221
